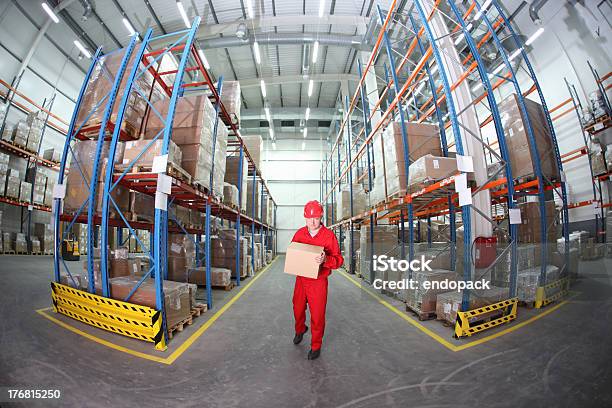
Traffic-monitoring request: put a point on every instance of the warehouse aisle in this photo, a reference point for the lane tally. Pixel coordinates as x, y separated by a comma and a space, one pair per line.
371, 358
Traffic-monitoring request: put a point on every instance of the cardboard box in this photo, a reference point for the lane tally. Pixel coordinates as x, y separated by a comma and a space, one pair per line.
234, 176
431, 168
254, 145
300, 260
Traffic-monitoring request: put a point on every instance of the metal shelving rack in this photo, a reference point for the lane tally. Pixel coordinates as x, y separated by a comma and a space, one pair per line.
190, 74
423, 64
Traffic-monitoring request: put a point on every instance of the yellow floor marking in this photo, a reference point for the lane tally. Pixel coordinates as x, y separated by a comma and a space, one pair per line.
176, 353
439, 338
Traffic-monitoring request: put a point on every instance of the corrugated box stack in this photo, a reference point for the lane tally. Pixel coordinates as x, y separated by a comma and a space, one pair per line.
4, 162
13, 184
528, 256
25, 192
527, 282
35, 122
230, 97
529, 229
345, 246
39, 181
77, 189
522, 160
385, 243
233, 176
99, 86
220, 277
181, 257
21, 245
223, 251
430, 169
422, 300
448, 303
230, 195
7, 242
343, 203
253, 144
52, 155
178, 297
389, 158
192, 132
267, 211
142, 206
249, 193
45, 233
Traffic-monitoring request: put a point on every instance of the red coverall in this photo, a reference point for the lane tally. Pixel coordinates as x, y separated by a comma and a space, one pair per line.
314, 291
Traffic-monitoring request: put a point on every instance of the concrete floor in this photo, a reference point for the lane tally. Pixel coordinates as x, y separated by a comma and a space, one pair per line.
371, 357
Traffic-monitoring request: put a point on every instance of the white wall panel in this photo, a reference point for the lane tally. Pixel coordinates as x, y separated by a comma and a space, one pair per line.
290, 217
294, 193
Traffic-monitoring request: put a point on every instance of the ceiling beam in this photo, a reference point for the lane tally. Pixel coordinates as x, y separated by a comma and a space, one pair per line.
293, 79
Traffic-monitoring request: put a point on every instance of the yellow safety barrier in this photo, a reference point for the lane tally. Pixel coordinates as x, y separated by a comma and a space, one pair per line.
128, 319
542, 299
462, 325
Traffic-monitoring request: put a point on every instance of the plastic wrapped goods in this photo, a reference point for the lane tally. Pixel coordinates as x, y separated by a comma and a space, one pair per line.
253, 144
522, 160
177, 296
431, 168
236, 175
230, 194
527, 282
343, 203
100, 84
230, 97
181, 257
135, 147
25, 191
77, 188
221, 277
423, 299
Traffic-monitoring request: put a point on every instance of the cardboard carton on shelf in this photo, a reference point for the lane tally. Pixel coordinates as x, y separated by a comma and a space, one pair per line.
253, 144
431, 168
300, 260
52, 155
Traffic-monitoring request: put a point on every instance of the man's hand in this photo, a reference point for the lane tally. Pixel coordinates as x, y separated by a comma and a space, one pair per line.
320, 259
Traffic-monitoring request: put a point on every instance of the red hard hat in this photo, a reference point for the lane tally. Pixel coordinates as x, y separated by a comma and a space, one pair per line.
313, 209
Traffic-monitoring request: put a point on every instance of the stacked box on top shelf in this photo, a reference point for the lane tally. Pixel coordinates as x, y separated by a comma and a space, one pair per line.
192, 131
253, 144
235, 177
230, 97
4, 162
230, 195
20, 134
52, 155
77, 189
522, 160
25, 192
3, 110
250, 202
8, 132
35, 122
389, 158
99, 86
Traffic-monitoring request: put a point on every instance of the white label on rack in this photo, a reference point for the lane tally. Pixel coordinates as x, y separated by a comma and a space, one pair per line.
164, 183
436, 164
465, 197
161, 201
447, 308
515, 216
160, 163
461, 182
135, 268
59, 191
455, 306
563, 177
465, 164
598, 126
510, 132
30, 208
595, 205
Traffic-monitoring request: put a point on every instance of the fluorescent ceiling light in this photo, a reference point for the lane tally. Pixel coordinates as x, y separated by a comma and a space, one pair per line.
420, 88
305, 132
477, 87
307, 113
534, 36
271, 133
315, 52
82, 49
262, 85
483, 9
498, 69
183, 14
310, 86
50, 12
458, 40
321, 7
129, 27
273, 145
515, 54
203, 58
268, 116
257, 55
250, 8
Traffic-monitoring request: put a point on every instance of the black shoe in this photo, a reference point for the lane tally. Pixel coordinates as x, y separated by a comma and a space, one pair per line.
298, 337
314, 354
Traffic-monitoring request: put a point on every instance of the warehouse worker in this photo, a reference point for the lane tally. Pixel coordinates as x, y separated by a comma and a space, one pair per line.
314, 291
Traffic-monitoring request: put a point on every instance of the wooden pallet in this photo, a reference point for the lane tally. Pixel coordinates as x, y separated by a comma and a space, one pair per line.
22, 253
226, 288
196, 311
172, 170
11, 252
420, 314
